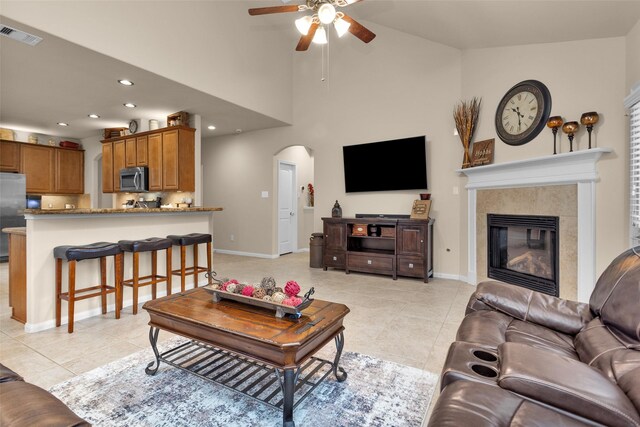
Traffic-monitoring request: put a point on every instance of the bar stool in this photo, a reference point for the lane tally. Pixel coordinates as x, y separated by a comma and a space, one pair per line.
187, 240
73, 254
153, 245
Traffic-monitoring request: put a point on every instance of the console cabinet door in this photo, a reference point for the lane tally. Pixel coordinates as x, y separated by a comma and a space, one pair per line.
411, 240
37, 163
130, 152
119, 162
107, 167
335, 245
9, 156
69, 171
154, 153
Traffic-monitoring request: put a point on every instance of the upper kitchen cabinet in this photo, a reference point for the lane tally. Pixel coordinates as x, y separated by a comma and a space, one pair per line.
169, 153
9, 156
37, 163
69, 171
107, 167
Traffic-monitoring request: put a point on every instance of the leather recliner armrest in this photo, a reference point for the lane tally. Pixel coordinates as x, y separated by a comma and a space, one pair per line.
564, 383
524, 304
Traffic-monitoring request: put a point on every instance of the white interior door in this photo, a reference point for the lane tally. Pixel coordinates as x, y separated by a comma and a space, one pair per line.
287, 212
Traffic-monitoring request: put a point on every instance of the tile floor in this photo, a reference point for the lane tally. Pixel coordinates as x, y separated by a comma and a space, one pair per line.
404, 321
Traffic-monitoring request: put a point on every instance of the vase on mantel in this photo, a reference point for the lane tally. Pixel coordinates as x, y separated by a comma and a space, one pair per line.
466, 160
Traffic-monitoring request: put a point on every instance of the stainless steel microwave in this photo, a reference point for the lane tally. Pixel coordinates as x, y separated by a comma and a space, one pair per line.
134, 180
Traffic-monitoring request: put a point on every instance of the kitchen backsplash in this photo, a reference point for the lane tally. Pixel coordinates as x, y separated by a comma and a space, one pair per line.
60, 202
172, 198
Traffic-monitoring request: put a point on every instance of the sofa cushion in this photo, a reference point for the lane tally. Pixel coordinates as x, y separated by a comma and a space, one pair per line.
630, 384
464, 403
564, 383
541, 337
617, 292
484, 327
25, 404
596, 345
7, 375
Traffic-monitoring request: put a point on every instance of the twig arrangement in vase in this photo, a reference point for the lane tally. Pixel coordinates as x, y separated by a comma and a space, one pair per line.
465, 115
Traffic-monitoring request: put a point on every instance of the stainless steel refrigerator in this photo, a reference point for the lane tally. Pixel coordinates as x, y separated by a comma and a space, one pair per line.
13, 199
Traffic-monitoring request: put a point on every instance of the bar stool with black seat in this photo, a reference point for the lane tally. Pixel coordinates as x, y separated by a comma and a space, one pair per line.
193, 239
153, 245
73, 254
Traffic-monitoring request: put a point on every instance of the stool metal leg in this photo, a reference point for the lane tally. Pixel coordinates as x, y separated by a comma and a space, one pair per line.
103, 283
118, 282
183, 273
195, 266
58, 290
154, 274
136, 266
72, 294
209, 260
168, 269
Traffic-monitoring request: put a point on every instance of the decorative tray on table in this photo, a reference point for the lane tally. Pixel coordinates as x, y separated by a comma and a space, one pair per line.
291, 305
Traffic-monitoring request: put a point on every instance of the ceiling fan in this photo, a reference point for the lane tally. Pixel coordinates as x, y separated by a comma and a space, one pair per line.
324, 13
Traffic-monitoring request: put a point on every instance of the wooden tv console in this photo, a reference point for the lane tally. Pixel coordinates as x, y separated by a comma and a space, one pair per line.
383, 245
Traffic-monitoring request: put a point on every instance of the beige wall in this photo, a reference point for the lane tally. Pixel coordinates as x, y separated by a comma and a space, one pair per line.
212, 46
582, 76
633, 57
406, 86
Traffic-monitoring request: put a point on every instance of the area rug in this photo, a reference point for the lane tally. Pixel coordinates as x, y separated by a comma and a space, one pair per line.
376, 393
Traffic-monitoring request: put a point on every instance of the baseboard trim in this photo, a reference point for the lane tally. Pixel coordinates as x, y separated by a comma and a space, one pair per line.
302, 250
449, 276
251, 254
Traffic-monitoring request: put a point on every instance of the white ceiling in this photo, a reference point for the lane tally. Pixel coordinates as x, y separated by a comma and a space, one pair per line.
60, 81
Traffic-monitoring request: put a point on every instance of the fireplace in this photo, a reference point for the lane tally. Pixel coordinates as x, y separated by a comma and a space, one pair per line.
523, 250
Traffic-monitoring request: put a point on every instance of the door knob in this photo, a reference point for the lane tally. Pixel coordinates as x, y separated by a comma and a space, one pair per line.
291, 213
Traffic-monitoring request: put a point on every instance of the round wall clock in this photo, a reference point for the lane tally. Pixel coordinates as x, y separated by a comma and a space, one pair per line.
133, 126
523, 112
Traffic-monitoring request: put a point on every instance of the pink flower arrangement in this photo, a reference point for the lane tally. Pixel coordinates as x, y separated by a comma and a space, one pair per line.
292, 288
247, 291
292, 301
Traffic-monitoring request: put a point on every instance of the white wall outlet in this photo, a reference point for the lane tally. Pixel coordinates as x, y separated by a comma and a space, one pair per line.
456, 190
232, 237
265, 194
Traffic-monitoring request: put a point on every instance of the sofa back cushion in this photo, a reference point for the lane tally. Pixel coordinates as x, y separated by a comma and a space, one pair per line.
616, 297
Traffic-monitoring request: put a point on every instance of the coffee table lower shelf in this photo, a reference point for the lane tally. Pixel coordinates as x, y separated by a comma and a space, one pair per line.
256, 380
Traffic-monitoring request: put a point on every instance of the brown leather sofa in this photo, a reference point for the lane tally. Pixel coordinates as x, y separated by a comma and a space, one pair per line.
529, 359
23, 404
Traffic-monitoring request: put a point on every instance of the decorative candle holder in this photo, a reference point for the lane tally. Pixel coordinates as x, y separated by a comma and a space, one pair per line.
570, 128
554, 123
589, 119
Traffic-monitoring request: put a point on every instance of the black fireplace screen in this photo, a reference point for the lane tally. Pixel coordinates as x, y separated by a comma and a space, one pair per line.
523, 250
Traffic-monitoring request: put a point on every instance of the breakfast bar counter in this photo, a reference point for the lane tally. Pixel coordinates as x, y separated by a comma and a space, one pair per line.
48, 228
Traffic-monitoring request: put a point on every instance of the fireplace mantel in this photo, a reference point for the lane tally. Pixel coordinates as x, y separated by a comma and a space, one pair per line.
578, 167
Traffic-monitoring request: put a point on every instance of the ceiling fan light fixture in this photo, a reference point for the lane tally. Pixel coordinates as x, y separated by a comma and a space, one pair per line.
326, 13
341, 26
320, 37
303, 24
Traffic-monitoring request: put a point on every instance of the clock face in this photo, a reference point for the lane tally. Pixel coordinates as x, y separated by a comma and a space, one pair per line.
523, 112
133, 126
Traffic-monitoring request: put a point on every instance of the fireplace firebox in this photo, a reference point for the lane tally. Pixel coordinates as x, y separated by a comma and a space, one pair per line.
523, 250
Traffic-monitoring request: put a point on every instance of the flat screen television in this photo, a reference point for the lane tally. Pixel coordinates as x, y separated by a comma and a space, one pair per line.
399, 164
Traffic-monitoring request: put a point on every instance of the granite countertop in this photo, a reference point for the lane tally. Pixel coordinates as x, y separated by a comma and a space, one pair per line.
15, 230
116, 211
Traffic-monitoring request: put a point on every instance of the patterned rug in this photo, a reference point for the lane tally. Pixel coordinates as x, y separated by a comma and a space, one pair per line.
376, 393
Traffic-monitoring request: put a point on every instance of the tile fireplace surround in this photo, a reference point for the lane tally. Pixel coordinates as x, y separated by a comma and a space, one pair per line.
577, 168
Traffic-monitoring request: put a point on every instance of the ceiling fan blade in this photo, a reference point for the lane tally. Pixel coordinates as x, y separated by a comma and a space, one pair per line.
359, 30
273, 9
305, 41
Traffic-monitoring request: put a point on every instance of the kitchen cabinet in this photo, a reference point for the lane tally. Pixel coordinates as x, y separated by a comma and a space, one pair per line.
69, 171
119, 162
107, 167
130, 152
170, 160
178, 160
17, 273
9, 156
155, 161
37, 163
141, 151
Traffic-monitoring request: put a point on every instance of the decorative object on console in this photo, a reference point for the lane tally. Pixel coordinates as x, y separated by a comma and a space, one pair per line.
311, 194
554, 123
336, 212
425, 196
523, 112
181, 118
483, 152
465, 114
360, 230
420, 209
589, 119
313, 27
570, 128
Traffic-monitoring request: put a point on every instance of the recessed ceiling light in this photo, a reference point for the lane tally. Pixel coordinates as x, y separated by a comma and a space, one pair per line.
94, 116
63, 124
129, 105
211, 127
125, 82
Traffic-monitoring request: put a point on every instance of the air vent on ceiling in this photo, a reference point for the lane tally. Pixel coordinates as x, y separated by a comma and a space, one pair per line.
19, 35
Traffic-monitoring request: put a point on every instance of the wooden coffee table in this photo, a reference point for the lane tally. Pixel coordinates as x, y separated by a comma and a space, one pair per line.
247, 348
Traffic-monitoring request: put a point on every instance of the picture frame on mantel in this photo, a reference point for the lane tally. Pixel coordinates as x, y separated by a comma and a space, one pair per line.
483, 152
420, 209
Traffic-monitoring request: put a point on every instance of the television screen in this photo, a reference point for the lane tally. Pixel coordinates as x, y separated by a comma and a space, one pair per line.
399, 164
